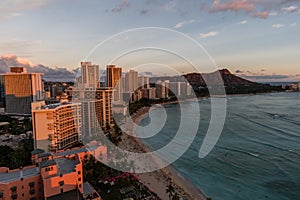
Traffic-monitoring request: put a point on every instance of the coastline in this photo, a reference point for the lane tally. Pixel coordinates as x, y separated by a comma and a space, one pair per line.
158, 181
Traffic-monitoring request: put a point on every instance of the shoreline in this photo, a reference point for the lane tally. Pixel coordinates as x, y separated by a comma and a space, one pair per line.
159, 180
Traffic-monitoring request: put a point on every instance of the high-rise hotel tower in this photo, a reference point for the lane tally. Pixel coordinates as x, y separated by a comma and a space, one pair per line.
21, 89
90, 75
114, 80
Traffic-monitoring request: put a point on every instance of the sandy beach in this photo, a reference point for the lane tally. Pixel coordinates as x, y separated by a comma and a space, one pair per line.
158, 181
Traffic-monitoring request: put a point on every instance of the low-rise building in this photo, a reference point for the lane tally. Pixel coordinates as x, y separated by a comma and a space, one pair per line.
52, 176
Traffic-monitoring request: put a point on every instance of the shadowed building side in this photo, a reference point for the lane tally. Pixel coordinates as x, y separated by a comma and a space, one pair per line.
2, 92
21, 89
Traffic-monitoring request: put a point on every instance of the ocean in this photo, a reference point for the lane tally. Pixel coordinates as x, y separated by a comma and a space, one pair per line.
257, 155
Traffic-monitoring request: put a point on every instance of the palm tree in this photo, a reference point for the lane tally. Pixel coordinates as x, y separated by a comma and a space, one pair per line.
176, 196
170, 191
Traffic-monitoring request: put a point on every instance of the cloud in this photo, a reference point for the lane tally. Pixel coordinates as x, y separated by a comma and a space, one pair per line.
232, 5
261, 15
171, 6
256, 8
50, 74
209, 34
242, 22
290, 9
278, 25
121, 6
285, 10
12, 8
11, 58
181, 24
275, 77
293, 25
273, 13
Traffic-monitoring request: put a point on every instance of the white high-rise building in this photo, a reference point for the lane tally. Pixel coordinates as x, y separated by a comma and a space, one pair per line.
90, 112
131, 81
175, 88
143, 82
90, 75
167, 87
189, 89
160, 89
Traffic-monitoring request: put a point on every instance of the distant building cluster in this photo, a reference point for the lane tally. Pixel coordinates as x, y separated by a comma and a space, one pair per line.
52, 176
292, 87
66, 114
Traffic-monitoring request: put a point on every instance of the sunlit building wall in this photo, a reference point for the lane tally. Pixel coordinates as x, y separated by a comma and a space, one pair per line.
90, 75
56, 126
114, 80
131, 81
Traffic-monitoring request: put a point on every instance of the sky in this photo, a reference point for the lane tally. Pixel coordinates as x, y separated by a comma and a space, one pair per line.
256, 39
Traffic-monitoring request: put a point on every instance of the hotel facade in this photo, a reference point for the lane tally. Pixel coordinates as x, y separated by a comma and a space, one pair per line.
56, 126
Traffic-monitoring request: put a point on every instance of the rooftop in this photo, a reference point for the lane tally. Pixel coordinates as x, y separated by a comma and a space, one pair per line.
44, 154
66, 166
88, 189
48, 163
37, 151
55, 105
79, 150
17, 175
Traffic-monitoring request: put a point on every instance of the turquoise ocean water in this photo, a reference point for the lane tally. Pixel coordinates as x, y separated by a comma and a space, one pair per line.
257, 155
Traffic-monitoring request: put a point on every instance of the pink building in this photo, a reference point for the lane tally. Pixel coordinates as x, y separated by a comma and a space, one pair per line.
52, 176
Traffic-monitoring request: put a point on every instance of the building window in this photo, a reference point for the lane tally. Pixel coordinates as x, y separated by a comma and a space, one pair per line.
79, 172
1, 194
79, 185
13, 189
31, 184
79, 179
31, 192
61, 183
14, 196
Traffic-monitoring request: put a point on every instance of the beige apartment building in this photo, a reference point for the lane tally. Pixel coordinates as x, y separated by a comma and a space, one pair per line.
105, 114
56, 126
